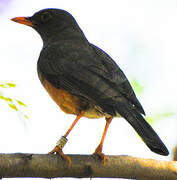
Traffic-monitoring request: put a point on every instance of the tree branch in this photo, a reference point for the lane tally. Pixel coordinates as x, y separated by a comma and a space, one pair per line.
174, 154
50, 166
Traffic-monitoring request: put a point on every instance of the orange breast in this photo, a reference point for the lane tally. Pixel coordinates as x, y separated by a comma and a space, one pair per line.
71, 104
68, 103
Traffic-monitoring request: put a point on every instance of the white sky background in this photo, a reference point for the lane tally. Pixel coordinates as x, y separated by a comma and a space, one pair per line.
141, 37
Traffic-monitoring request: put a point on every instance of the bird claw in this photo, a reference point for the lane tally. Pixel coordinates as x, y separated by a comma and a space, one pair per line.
99, 154
101, 157
59, 151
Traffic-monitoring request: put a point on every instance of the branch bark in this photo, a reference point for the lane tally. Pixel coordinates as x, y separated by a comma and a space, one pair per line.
50, 166
174, 154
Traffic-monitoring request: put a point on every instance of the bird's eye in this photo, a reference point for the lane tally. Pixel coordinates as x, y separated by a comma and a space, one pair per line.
45, 17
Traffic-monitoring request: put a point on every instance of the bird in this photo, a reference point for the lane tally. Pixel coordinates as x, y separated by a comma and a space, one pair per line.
84, 80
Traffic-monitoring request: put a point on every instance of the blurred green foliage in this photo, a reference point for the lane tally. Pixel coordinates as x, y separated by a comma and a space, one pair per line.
139, 89
13, 103
159, 116
7, 85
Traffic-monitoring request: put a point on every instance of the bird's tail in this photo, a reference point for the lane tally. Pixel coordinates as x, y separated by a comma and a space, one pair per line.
145, 131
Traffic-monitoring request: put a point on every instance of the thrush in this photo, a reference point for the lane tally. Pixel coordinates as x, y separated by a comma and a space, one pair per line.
84, 80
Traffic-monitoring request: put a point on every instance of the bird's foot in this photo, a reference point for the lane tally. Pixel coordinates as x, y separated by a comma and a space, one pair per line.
100, 155
59, 151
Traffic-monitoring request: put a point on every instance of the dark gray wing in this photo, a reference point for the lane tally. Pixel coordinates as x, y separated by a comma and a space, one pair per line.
118, 78
89, 73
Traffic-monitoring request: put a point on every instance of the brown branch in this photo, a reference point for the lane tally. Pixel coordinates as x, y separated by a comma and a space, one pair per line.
50, 166
174, 154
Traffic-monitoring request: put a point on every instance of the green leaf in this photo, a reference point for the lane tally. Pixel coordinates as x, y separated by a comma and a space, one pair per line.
2, 85
13, 107
13, 103
26, 116
21, 103
6, 98
11, 85
7, 85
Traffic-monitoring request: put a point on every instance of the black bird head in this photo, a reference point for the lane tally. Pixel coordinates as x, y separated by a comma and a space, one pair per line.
50, 23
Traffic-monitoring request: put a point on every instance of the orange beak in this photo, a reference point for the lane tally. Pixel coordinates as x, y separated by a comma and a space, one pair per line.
23, 20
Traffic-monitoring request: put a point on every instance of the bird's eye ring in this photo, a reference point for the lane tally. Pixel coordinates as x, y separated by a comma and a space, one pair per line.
45, 17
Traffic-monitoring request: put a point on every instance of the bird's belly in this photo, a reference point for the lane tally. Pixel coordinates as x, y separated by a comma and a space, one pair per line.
69, 103
93, 113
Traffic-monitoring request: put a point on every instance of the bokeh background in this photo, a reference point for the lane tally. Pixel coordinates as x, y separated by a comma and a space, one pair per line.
140, 35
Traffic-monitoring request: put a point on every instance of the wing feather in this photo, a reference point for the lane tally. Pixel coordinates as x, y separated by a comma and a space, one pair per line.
92, 75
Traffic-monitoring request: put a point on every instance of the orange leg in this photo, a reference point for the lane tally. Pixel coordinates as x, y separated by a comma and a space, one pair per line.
99, 148
74, 123
60, 143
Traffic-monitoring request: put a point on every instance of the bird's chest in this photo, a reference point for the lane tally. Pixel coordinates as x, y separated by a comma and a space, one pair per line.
68, 103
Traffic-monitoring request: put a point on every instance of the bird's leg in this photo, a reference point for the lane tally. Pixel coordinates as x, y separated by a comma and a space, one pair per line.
98, 150
63, 140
